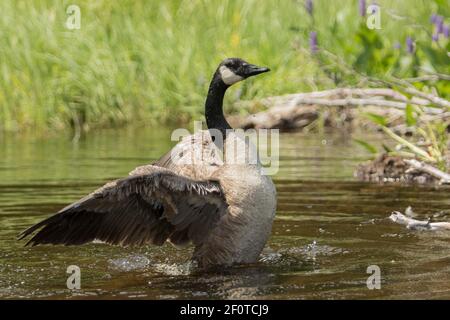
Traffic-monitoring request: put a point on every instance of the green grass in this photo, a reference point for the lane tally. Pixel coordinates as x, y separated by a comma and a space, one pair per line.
152, 60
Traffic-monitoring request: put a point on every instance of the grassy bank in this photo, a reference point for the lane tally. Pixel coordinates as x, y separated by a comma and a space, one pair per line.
152, 60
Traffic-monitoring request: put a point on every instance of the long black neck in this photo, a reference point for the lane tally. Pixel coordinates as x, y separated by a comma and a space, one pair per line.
215, 118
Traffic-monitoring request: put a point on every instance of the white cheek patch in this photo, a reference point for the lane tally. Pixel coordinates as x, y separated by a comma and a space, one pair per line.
228, 76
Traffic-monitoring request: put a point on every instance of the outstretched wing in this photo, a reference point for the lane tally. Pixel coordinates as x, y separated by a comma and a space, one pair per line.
150, 206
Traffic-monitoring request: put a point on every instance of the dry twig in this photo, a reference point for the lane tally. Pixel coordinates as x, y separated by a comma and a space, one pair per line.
435, 172
414, 224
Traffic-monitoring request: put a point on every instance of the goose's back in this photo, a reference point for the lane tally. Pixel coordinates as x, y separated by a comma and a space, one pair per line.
195, 156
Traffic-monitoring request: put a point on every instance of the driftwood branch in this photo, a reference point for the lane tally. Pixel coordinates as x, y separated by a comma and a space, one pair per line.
382, 97
298, 110
355, 102
432, 98
414, 224
435, 172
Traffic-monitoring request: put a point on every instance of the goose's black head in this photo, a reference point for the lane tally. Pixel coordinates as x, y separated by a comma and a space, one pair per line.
229, 72
233, 70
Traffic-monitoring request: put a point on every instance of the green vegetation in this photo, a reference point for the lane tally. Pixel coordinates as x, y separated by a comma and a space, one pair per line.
152, 60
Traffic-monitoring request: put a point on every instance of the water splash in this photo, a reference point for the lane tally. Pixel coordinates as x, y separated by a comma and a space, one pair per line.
130, 263
175, 269
141, 262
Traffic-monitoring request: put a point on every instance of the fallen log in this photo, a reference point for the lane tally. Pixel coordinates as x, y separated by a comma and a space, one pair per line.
414, 224
423, 167
298, 110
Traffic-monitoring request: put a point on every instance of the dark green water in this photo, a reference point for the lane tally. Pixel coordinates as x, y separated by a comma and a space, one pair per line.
329, 228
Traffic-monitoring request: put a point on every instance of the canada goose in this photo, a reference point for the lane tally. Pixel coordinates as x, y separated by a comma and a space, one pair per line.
225, 210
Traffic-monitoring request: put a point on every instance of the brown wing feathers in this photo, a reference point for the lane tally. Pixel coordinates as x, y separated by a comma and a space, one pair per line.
140, 209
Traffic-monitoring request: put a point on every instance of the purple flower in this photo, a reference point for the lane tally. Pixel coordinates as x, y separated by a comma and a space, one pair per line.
309, 5
410, 44
397, 45
439, 24
446, 31
435, 37
362, 8
433, 18
313, 42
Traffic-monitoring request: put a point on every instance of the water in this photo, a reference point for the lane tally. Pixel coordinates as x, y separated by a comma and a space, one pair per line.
329, 228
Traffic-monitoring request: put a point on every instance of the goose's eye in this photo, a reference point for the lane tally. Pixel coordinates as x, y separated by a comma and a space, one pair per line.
231, 66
